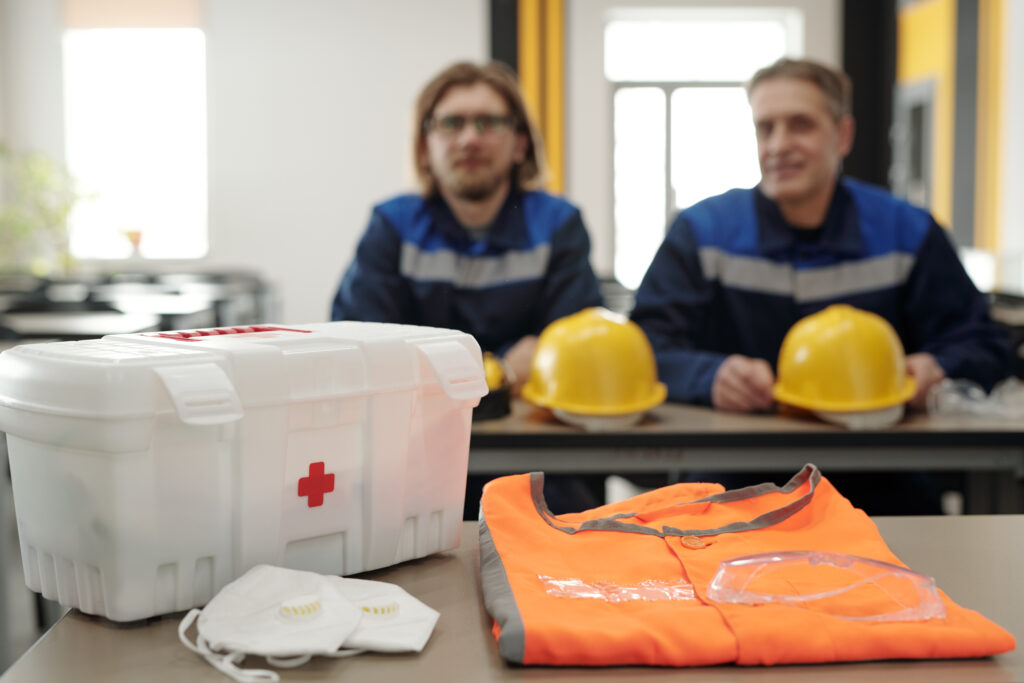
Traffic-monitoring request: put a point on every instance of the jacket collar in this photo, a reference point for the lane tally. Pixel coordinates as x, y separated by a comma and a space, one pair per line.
508, 230
840, 233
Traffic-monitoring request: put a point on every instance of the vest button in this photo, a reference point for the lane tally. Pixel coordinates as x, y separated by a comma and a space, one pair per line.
693, 542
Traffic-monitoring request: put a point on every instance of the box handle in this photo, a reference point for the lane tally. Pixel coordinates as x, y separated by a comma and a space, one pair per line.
460, 374
202, 393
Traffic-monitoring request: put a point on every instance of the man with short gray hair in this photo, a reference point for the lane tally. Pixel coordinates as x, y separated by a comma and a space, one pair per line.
736, 271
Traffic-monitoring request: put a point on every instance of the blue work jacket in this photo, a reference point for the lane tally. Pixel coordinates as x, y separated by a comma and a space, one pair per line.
732, 277
415, 264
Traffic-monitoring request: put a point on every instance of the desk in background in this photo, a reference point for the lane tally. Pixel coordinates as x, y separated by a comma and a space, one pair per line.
94, 305
977, 560
674, 438
78, 324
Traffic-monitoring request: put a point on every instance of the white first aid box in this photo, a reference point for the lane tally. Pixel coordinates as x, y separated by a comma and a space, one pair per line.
150, 470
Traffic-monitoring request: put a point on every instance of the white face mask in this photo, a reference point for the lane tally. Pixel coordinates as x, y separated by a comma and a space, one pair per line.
286, 613
273, 612
393, 620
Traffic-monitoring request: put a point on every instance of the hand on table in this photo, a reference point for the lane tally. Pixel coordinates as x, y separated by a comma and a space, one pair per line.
927, 372
517, 362
743, 385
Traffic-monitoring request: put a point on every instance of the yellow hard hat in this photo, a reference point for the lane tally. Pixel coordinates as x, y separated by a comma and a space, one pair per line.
494, 372
497, 402
594, 362
843, 359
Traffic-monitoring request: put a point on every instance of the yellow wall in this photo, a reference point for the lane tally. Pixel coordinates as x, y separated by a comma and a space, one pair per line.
988, 186
542, 77
926, 51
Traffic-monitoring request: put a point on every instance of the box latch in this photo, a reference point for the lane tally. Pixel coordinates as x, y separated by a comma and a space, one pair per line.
460, 375
202, 393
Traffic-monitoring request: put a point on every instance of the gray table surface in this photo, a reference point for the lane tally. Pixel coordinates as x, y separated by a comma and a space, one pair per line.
687, 426
978, 560
677, 438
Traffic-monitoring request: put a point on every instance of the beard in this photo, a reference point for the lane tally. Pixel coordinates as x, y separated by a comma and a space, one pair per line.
476, 187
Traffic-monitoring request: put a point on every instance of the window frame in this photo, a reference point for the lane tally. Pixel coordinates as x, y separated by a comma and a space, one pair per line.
667, 87
793, 20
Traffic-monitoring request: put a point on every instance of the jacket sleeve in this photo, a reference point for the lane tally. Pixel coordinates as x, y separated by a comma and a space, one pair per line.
372, 288
673, 305
569, 284
949, 318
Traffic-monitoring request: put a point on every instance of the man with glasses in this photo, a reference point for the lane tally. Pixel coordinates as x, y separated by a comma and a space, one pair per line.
481, 250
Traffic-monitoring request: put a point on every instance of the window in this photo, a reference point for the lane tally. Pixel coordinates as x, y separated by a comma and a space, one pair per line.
679, 110
135, 118
911, 130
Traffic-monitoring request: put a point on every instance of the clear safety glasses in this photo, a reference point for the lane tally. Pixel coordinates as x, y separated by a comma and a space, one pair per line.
845, 586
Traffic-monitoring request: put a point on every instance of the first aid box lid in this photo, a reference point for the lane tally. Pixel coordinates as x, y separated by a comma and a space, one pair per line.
210, 376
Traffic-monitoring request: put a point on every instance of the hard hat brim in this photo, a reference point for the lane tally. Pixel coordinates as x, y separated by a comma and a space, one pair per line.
656, 397
905, 394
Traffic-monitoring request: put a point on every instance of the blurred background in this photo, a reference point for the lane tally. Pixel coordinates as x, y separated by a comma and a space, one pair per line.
169, 164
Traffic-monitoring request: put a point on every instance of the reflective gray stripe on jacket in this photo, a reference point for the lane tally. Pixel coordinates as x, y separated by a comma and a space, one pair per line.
473, 272
833, 281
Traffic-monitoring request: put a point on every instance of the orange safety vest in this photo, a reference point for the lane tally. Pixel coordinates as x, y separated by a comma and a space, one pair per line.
680, 534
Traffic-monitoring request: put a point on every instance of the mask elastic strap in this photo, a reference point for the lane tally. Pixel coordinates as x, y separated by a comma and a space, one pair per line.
225, 663
292, 662
287, 662
187, 621
345, 653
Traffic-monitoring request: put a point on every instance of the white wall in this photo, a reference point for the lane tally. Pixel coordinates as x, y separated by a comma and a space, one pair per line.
4, 50
588, 98
30, 76
1012, 240
309, 120
310, 123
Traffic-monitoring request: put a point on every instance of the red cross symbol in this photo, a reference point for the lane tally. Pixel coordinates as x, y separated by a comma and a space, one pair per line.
316, 484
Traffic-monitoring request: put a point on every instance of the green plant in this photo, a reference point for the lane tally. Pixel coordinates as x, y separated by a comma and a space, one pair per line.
36, 196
